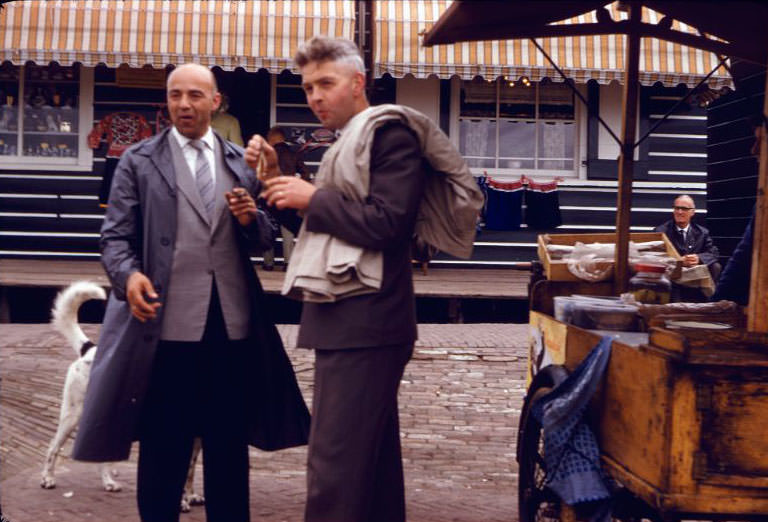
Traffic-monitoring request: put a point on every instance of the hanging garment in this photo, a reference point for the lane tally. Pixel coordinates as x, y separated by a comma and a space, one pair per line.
542, 205
504, 208
120, 130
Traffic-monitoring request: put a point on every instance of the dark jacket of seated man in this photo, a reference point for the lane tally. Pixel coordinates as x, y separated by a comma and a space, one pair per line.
692, 241
697, 241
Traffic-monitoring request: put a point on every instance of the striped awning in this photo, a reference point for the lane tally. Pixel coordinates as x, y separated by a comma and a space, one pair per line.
229, 34
400, 25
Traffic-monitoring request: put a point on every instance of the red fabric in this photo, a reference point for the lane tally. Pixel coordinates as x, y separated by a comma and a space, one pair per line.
122, 129
504, 185
545, 186
162, 120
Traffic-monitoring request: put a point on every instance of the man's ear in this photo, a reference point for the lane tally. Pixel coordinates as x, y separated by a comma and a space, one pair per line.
216, 101
358, 84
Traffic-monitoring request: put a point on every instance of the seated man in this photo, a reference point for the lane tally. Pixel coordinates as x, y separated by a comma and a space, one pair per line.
692, 241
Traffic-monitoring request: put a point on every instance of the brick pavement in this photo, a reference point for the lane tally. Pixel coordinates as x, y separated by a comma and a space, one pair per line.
459, 406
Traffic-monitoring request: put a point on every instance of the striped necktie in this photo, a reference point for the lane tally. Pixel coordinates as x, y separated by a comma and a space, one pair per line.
203, 178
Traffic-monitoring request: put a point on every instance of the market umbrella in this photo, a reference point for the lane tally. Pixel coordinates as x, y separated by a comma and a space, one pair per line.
729, 29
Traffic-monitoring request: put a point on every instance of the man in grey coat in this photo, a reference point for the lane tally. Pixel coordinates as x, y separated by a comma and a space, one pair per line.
187, 348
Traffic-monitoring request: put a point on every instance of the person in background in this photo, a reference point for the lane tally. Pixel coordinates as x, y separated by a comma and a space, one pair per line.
291, 164
226, 124
692, 241
187, 348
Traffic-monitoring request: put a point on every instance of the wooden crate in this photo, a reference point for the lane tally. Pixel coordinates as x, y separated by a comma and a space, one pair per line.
557, 270
680, 419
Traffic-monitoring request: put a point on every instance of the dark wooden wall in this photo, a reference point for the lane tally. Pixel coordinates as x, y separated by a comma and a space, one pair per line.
731, 168
56, 214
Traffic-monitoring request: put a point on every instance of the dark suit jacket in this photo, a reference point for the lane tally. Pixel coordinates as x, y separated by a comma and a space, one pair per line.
698, 241
290, 161
384, 221
139, 233
734, 281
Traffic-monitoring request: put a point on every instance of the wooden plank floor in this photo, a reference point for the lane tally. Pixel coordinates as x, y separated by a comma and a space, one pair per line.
439, 282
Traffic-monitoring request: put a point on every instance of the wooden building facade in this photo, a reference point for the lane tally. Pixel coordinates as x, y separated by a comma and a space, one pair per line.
504, 106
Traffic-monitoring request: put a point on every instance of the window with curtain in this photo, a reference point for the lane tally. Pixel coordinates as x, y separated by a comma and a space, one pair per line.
518, 127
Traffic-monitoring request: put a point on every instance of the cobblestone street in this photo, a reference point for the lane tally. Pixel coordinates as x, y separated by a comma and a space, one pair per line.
459, 407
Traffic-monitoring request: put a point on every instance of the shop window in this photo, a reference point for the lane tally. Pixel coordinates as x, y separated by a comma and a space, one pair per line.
517, 127
41, 115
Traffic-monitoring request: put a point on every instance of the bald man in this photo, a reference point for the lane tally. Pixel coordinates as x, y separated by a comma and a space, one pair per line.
187, 348
692, 241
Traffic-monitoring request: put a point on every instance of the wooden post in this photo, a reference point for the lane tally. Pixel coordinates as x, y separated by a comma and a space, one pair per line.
365, 40
757, 318
626, 158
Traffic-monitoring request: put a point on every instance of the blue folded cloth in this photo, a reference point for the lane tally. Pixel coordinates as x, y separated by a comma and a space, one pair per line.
571, 453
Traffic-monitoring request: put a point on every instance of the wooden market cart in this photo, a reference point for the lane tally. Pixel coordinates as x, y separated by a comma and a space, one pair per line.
681, 416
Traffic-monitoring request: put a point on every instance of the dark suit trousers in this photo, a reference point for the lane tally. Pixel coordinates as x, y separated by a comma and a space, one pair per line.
354, 471
196, 389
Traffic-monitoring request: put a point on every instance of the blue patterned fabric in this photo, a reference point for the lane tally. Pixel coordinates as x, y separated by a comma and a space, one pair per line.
571, 453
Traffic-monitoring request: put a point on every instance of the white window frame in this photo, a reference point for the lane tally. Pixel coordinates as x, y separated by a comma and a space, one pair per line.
579, 146
84, 160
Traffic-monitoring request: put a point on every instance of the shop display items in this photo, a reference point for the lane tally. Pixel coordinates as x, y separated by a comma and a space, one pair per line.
650, 284
50, 114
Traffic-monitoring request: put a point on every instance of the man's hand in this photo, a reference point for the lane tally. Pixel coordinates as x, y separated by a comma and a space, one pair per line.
288, 192
242, 205
259, 151
138, 289
690, 260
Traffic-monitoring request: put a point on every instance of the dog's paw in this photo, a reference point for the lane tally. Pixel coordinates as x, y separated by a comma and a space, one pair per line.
112, 486
195, 499
48, 482
191, 499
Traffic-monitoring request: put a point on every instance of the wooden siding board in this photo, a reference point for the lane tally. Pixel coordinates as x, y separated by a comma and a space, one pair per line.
731, 169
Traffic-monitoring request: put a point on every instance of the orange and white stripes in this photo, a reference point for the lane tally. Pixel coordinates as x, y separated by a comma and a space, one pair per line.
229, 34
264, 34
400, 25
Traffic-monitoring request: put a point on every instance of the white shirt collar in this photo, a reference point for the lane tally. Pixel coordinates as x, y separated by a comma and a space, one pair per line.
683, 229
182, 140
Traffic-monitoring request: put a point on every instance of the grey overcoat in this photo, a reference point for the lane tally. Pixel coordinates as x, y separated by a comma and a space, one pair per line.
139, 232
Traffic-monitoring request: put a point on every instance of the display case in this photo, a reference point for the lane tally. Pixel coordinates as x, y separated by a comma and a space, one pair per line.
9, 110
42, 116
50, 112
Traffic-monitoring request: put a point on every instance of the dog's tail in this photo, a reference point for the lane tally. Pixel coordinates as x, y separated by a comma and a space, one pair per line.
64, 313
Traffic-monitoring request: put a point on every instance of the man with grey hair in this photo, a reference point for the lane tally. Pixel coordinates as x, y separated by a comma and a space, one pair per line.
695, 245
187, 348
352, 268
691, 240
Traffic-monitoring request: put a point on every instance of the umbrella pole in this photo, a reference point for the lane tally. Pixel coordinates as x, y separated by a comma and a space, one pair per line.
757, 319
626, 157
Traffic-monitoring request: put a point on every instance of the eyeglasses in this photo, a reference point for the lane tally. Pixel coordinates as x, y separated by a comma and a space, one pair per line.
684, 209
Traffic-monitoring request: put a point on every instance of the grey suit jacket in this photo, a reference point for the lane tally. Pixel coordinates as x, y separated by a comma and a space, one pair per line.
205, 251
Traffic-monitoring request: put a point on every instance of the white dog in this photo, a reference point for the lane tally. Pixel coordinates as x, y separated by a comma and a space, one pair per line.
64, 320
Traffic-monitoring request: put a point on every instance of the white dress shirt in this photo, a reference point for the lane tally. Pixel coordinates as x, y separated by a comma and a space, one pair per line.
190, 153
